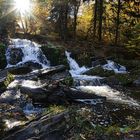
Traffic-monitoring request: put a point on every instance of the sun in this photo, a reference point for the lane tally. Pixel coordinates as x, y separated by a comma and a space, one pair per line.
23, 6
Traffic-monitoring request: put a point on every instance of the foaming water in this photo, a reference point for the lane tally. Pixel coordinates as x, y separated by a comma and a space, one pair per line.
77, 71
25, 83
92, 84
109, 93
117, 68
31, 52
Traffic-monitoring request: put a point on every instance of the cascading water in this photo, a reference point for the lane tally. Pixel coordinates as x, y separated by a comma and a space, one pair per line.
98, 88
75, 69
31, 52
117, 68
77, 72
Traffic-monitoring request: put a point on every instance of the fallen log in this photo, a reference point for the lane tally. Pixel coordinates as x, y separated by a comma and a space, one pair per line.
42, 72
57, 95
45, 128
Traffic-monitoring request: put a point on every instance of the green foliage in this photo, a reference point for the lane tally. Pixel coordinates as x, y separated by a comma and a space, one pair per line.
9, 79
133, 44
2, 56
112, 130
54, 109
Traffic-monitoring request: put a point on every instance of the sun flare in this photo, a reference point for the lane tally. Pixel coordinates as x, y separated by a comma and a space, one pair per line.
23, 6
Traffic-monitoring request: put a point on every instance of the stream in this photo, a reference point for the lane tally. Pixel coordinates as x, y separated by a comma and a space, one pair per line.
38, 79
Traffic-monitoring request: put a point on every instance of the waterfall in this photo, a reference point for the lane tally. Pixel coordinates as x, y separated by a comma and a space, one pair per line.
92, 84
31, 52
75, 69
77, 72
117, 68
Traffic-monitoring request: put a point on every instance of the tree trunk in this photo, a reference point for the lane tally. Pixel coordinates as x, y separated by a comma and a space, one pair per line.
76, 8
118, 22
100, 20
95, 18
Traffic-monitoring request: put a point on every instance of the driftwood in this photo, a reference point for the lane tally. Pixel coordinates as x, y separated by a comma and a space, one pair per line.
44, 128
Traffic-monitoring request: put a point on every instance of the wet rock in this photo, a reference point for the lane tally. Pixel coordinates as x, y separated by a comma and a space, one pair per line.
5, 79
98, 61
36, 94
33, 65
137, 82
42, 128
3, 62
57, 57
14, 55
20, 70
9, 96
99, 71
111, 81
60, 75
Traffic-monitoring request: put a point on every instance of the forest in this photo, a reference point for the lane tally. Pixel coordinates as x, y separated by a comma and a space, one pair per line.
70, 69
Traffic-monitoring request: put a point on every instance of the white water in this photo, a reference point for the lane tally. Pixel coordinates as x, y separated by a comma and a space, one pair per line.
77, 71
109, 93
31, 52
117, 68
101, 90
25, 83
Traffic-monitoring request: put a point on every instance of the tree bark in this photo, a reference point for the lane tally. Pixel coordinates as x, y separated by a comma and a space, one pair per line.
118, 22
76, 8
100, 20
95, 18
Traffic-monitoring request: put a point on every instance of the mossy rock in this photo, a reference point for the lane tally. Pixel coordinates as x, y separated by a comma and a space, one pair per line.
8, 79
3, 62
68, 81
55, 55
100, 72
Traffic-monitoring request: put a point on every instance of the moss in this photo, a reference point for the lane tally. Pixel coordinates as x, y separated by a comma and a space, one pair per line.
100, 71
68, 81
55, 54
54, 109
3, 62
9, 79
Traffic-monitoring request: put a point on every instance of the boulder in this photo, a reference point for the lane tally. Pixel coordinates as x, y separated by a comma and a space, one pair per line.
9, 96
32, 65
96, 61
20, 70
14, 55
99, 71
44, 128
137, 82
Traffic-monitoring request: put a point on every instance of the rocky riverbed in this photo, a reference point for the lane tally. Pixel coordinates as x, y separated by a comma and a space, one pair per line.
40, 101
